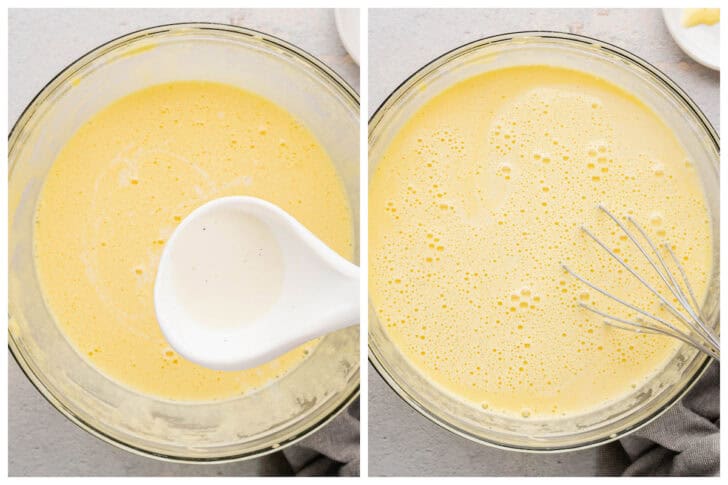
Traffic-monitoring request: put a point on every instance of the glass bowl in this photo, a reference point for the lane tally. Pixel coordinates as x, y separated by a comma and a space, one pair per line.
698, 138
213, 431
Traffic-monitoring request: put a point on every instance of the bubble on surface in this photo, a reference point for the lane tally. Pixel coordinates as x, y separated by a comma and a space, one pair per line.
487, 311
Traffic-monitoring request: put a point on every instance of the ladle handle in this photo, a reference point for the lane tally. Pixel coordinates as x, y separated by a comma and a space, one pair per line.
344, 311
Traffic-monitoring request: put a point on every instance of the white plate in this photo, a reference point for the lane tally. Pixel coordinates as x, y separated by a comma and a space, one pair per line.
347, 23
701, 42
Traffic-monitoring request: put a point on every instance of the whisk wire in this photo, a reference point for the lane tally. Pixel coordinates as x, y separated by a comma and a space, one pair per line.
682, 274
667, 304
677, 291
640, 326
698, 334
673, 285
670, 287
618, 300
701, 327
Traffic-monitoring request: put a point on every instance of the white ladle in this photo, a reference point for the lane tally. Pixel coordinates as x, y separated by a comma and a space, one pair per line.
241, 282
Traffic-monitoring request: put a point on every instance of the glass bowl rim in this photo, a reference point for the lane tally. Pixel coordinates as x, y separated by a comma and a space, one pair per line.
633, 61
319, 67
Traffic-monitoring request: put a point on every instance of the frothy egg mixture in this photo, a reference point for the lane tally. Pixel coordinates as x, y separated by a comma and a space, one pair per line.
480, 197
121, 185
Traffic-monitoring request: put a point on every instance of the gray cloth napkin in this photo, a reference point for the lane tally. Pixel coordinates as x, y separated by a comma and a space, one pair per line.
333, 450
685, 441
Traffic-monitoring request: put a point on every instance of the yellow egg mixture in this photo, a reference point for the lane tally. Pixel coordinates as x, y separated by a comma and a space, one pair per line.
700, 16
121, 185
479, 198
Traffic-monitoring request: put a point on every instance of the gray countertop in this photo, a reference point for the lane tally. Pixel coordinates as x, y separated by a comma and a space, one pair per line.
41, 42
401, 441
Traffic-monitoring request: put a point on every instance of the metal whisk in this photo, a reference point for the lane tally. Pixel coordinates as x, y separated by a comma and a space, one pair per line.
697, 334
